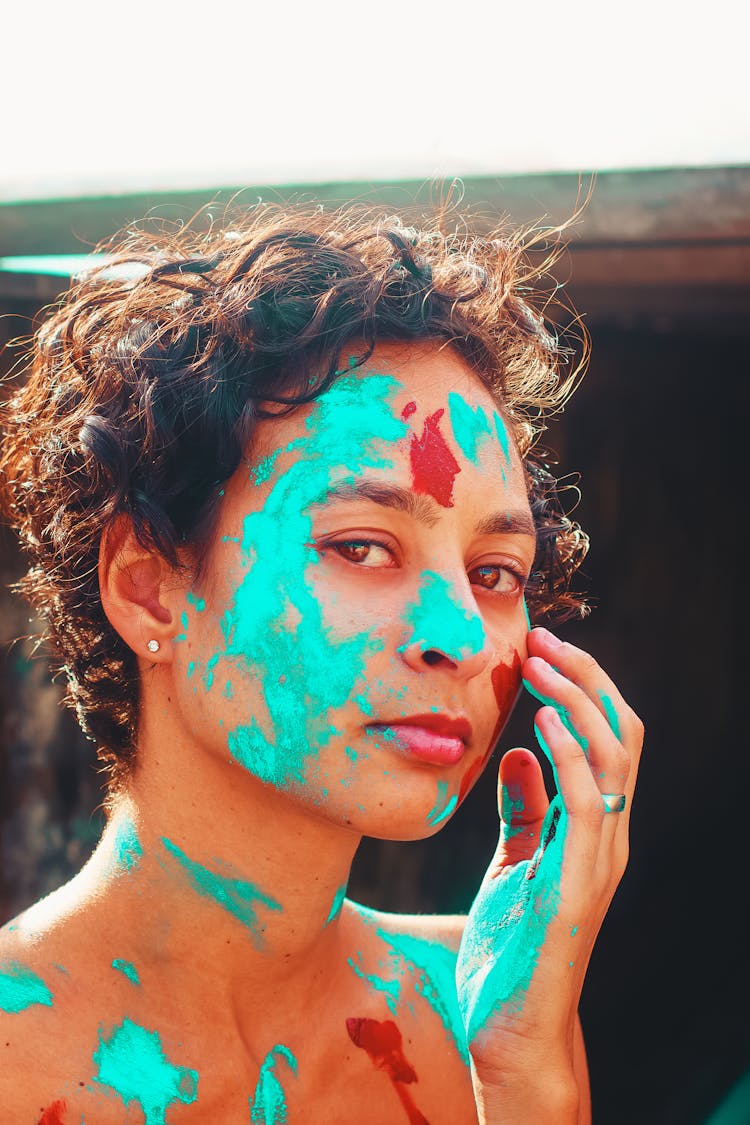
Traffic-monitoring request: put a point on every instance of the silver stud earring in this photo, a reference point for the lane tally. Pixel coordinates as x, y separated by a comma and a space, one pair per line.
153, 646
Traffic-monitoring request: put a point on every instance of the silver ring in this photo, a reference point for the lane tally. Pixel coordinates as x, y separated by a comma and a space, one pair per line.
614, 802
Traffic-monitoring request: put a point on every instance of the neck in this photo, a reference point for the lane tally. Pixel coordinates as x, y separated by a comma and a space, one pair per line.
235, 884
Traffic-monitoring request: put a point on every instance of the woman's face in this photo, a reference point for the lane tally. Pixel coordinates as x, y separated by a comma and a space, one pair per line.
357, 636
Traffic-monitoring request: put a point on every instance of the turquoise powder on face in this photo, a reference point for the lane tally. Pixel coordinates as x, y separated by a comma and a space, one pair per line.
127, 968
276, 623
20, 988
443, 806
439, 622
470, 424
502, 436
236, 896
131, 1062
199, 603
268, 1106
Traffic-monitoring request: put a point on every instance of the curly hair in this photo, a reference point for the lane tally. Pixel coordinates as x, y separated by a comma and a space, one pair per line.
145, 381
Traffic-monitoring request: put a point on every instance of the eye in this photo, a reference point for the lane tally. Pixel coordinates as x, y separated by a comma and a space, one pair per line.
499, 579
363, 552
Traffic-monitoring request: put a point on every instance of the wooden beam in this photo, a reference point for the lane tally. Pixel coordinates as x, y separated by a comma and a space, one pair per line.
653, 205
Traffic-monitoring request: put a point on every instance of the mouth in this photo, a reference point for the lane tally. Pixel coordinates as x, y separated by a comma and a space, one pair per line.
438, 739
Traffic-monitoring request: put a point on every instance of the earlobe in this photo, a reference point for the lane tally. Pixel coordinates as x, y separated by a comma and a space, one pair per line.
131, 583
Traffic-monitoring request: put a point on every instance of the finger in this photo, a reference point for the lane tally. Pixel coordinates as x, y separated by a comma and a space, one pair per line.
577, 788
523, 804
608, 759
580, 667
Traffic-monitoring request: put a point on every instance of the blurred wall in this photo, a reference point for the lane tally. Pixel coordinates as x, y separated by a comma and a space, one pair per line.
657, 431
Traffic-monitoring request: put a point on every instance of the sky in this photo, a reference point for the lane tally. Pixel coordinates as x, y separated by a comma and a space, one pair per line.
106, 98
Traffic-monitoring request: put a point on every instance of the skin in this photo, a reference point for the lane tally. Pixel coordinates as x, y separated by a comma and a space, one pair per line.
219, 878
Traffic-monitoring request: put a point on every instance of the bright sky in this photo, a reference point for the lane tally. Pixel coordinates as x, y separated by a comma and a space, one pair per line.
107, 97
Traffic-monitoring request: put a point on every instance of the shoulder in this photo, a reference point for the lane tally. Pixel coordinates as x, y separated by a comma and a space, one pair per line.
411, 958
46, 1027
405, 969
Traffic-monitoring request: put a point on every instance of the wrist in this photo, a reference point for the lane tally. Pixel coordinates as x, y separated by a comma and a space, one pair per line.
544, 1098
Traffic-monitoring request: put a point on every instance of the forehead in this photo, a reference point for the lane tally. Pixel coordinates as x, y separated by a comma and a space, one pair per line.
410, 382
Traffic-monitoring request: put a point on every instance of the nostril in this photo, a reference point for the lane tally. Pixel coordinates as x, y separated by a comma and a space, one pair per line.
432, 657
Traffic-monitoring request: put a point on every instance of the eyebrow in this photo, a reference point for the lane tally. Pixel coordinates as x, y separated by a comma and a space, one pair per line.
423, 508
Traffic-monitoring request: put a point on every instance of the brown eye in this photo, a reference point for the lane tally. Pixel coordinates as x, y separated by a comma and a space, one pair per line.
498, 578
353, 550
365, 552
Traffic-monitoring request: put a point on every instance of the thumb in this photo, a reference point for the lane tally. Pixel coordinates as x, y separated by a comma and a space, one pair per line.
523, 803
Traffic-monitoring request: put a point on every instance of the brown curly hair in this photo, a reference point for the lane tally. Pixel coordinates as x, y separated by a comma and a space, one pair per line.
145, 381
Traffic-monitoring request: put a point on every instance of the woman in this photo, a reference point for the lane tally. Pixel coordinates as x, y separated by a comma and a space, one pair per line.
285, 517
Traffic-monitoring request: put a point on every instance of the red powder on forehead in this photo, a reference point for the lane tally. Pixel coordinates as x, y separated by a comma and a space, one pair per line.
433, 466
382, 1041
408, 410
53, 1114
506, 681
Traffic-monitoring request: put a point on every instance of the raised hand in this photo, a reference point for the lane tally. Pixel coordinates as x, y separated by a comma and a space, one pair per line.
532, 927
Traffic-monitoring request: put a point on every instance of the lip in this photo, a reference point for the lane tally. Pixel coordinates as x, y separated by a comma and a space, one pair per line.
433, 738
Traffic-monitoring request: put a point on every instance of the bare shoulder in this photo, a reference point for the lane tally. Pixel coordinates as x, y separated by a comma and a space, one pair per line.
445, 930
29, 1031
49, 1032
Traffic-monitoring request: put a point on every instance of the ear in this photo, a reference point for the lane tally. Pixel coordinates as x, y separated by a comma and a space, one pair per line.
132, 584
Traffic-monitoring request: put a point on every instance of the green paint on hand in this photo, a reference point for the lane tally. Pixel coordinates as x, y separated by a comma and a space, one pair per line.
268, 1106
20, 988
511, 803
237, 896
131, 1062
612, 717
127, 968
563, 712
506, 930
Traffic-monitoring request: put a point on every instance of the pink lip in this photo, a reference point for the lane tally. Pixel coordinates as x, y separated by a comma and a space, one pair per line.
430, 738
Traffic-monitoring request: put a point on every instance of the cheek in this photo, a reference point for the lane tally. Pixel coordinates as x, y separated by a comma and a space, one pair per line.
506, 682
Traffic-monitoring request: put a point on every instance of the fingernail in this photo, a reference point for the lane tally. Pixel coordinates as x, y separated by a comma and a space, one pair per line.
551, 639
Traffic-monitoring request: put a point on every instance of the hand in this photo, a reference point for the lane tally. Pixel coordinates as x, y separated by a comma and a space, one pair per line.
532, 927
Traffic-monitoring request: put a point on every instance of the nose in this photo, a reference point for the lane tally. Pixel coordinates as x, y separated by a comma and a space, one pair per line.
446, 630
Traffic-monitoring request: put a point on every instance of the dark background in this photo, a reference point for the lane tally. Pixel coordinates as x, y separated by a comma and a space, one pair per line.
657, 430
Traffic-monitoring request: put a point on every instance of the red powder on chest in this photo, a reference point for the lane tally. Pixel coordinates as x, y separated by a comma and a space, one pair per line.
382, 1041
433, 466
54, 1114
